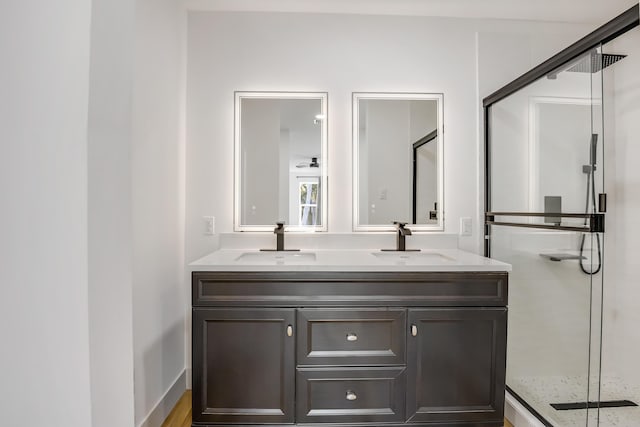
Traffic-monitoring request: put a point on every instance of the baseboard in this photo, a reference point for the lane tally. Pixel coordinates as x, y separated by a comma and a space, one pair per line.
162, 409
518, 415
189, 379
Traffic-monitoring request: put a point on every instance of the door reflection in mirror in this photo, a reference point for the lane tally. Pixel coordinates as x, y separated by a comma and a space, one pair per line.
425, 168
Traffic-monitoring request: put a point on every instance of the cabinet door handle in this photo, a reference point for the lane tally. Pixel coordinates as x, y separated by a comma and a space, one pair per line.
289, 331
414, 330
352, 337
351, 395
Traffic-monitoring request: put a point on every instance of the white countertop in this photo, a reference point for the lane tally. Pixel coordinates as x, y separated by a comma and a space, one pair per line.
443, 260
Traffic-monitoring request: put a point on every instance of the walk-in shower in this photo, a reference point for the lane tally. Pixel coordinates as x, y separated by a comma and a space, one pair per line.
561, 187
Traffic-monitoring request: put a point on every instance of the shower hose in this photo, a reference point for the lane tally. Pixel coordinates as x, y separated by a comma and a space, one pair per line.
591, 188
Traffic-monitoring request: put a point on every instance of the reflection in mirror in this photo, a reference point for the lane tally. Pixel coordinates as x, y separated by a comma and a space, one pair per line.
280, 160
398, 161
555, 146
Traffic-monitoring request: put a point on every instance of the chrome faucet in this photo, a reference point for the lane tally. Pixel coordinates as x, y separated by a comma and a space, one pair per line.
279, 232
401, 234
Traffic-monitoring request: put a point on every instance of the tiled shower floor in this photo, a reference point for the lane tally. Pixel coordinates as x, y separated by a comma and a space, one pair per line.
540, 392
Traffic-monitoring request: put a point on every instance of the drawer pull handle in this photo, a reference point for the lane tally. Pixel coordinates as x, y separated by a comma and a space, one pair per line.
351, 395
289, 330
352, 337
414, 330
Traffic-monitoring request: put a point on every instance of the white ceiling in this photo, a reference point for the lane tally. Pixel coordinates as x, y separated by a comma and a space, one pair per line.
575, 11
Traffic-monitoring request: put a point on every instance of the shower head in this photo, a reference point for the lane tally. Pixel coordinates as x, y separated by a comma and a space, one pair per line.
589, 63
594, 62
593, 155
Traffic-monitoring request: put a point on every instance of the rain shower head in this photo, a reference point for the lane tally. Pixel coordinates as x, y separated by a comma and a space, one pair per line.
595, 62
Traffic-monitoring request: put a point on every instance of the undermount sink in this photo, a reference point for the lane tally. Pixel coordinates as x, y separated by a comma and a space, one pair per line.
413, 258
276, 257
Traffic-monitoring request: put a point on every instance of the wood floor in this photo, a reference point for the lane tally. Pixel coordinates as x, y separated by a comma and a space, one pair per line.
180, 415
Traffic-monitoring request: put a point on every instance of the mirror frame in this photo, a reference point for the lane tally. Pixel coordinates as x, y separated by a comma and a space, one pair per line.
237, 149
399, 96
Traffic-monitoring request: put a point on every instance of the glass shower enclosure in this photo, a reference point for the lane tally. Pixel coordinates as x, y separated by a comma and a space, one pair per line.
548, 143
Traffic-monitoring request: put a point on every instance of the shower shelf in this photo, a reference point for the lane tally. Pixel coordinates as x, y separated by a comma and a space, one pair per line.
562, 256
596, 221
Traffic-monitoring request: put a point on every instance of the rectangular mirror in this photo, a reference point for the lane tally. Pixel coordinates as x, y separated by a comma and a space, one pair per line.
398, 161
280, 161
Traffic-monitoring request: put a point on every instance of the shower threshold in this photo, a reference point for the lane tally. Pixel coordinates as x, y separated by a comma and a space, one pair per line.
592, 405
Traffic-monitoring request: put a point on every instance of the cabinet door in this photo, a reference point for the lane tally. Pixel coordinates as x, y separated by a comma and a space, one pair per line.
456, 365
243, 366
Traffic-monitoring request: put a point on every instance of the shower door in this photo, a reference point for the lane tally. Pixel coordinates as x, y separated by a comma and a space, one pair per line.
544, 180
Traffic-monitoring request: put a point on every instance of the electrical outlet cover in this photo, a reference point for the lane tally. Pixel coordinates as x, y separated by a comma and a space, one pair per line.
466, 226
210, 225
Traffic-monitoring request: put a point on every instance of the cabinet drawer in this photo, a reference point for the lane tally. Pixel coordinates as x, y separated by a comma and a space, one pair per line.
351, 337
350, 395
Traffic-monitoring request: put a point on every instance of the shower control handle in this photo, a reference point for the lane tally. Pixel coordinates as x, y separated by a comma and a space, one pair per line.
602, 202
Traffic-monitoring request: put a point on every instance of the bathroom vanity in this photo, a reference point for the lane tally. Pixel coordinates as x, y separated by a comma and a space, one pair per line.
349, 338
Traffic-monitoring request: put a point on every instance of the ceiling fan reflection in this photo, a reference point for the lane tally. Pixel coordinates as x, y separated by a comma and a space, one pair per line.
313, 164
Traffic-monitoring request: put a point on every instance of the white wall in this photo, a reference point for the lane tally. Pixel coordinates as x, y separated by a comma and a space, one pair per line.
136, 204
260, 158
92, 177
44, 83
388, 158
342, 54
622, 250
157, 191
110, 205
296, 52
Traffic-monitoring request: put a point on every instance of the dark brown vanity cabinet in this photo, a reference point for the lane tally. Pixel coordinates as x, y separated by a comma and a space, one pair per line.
392, 349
